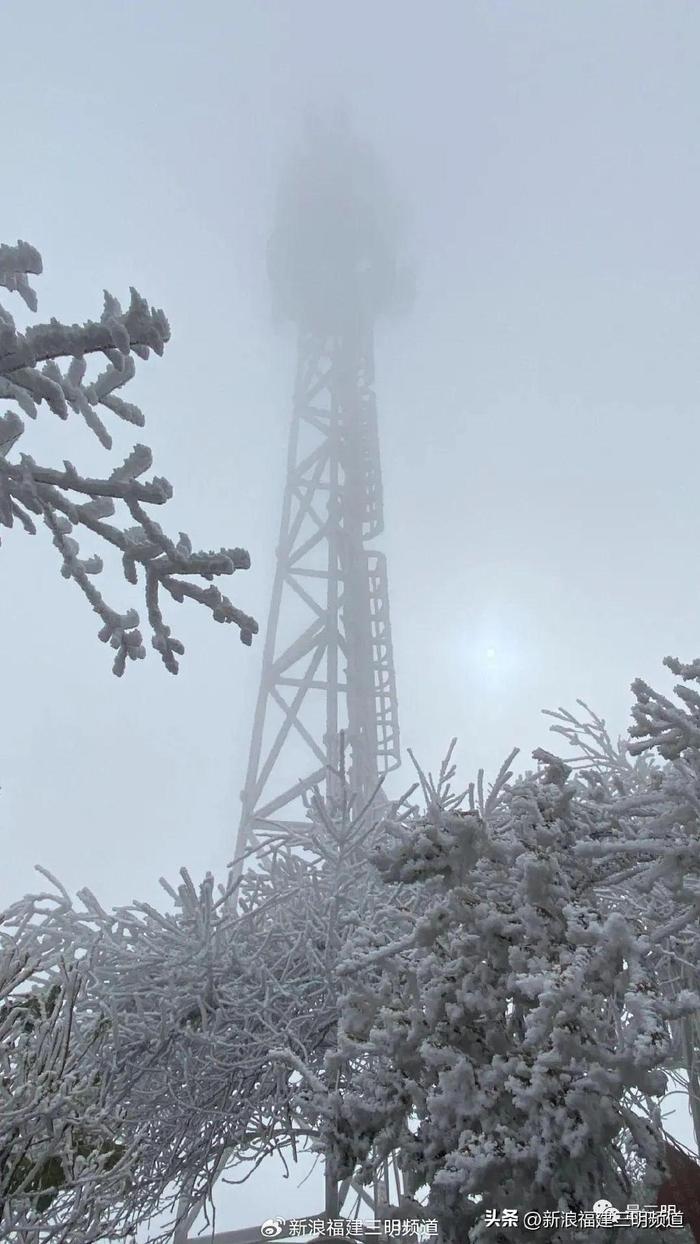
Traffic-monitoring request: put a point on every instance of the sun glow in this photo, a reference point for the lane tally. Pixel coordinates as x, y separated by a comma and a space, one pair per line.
495, 651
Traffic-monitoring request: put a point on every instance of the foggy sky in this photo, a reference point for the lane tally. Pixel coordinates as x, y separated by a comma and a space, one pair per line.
537, 407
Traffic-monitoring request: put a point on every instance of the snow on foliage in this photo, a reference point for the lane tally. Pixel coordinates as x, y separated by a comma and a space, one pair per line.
501, 1049
59, 1108
31, 374
490, 991
193, 1001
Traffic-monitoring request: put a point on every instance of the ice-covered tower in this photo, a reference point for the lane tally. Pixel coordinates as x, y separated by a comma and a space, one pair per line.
327, 661
327, 667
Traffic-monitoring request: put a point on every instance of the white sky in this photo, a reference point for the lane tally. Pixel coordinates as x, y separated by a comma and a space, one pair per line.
538, 407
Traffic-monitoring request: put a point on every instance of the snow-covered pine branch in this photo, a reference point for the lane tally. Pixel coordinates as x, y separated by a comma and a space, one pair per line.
47, 365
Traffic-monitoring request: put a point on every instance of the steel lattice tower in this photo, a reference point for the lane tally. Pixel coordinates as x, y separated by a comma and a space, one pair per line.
327, 662
327, 675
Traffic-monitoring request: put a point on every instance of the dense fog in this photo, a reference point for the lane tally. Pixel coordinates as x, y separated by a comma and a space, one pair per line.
537, 391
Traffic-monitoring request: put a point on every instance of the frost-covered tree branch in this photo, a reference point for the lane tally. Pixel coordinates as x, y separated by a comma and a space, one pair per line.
48, 364
493, 989
196, 998
60, 1116
502, 1053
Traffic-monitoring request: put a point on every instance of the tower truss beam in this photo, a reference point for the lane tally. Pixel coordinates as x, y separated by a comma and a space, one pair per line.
328, 658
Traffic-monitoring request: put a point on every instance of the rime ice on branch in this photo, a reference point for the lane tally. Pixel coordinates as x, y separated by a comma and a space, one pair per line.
485, 990
48, 364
